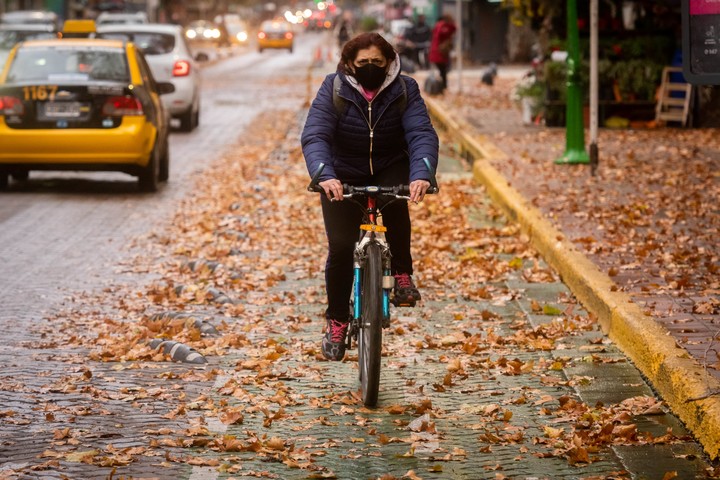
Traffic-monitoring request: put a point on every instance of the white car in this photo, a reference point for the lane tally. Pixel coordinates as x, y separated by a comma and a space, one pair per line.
170, 60
30, 17
12, 33
113, 18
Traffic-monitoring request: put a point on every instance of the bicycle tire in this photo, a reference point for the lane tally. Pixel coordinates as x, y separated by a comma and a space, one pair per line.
370, 334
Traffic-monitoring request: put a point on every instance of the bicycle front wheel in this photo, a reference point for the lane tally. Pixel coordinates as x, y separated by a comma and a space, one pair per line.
370, 335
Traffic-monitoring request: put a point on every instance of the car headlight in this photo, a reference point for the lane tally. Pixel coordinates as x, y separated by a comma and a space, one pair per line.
242, 36
207, 33
191, 34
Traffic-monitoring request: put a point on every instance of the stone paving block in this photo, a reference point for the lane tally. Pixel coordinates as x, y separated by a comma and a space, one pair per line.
650, 460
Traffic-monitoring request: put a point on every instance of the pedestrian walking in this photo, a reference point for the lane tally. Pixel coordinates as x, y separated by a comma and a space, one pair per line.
369, 125
343, 31
418, 39
441, 45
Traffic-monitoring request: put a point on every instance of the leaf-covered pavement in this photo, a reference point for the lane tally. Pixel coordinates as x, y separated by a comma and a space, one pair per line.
481, 381
649, 218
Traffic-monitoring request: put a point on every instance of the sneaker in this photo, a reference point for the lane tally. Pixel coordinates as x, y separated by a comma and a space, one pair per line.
333, 343
405, 293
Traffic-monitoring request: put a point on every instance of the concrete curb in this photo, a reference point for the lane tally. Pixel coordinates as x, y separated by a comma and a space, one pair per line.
678, 378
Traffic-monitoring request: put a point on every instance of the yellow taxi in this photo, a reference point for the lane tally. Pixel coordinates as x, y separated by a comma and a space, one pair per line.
275, 34
82, 104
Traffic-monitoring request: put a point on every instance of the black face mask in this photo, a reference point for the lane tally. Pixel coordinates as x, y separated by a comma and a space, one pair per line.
370, 76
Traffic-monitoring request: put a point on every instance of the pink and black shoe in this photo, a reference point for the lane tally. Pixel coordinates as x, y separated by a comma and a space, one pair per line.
333, 343
405, 293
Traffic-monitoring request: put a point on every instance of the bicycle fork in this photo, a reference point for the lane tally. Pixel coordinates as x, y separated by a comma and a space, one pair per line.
388, 281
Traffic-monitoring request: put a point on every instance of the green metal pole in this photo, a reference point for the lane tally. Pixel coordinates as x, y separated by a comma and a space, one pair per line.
574, 128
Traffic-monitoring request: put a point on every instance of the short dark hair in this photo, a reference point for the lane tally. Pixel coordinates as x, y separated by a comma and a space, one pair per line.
361, 42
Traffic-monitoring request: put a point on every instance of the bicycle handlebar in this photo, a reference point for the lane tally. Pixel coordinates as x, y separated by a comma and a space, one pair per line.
399, 191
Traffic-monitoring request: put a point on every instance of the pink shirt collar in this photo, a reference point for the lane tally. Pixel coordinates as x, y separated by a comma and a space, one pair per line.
368, 94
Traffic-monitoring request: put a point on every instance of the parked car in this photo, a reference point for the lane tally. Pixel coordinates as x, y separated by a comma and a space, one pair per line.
11, 34
117, 18
275, 34
170, 60
82, 104
30, 17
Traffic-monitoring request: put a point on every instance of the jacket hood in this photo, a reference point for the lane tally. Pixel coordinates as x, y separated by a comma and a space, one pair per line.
392, 73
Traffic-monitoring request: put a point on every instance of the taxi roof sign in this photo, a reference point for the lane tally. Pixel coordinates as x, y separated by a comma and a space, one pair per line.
78, 28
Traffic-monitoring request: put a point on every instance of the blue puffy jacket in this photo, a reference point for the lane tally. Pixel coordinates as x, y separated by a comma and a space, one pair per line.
368, 136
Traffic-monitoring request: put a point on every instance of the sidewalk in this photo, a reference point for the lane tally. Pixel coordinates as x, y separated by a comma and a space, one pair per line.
637, 243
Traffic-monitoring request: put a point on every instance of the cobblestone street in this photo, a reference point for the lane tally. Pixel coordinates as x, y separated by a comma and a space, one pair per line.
498, 374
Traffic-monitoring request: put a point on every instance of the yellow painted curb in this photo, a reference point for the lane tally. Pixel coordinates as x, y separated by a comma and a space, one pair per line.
670, 368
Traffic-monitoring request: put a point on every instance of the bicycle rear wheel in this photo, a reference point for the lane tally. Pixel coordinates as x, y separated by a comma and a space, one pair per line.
370, 334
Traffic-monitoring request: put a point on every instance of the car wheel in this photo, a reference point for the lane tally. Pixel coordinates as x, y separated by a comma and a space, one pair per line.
149, 177
20, 175
290, 49
260, 50
196, 117
3, 180
186, 120
164, 172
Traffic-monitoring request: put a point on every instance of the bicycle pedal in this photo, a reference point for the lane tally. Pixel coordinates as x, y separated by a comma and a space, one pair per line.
403, 303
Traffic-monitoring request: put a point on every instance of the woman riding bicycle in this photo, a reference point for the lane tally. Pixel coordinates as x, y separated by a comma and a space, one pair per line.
375, 130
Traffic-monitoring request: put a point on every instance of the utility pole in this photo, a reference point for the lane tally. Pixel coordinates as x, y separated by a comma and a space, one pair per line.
594, 160
459, 43
574, 128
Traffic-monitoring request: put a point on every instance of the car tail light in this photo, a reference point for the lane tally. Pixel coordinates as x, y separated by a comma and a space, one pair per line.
181, 68
288, 35
261, 35
11, 106
122, 106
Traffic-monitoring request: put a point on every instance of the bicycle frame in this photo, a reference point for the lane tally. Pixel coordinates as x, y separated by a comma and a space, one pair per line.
371, 232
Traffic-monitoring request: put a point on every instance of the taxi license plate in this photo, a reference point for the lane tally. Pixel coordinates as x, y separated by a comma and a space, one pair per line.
62, 109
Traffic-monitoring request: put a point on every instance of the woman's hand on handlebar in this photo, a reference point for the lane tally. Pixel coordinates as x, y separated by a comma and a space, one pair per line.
333, 189
418, 188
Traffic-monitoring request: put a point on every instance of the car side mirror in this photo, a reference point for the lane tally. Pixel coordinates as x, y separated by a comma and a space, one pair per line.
165, 87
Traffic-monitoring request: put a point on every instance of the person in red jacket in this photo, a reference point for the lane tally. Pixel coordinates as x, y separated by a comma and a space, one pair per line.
441, 45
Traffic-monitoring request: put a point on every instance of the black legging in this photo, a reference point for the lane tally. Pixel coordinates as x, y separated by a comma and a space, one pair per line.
342, 226
443, 69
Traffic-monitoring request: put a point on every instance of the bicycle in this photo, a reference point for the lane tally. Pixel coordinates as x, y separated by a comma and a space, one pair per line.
370, 299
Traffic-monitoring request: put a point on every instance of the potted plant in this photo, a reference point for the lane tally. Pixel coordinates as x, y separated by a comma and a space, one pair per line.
529, 93
637, 79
